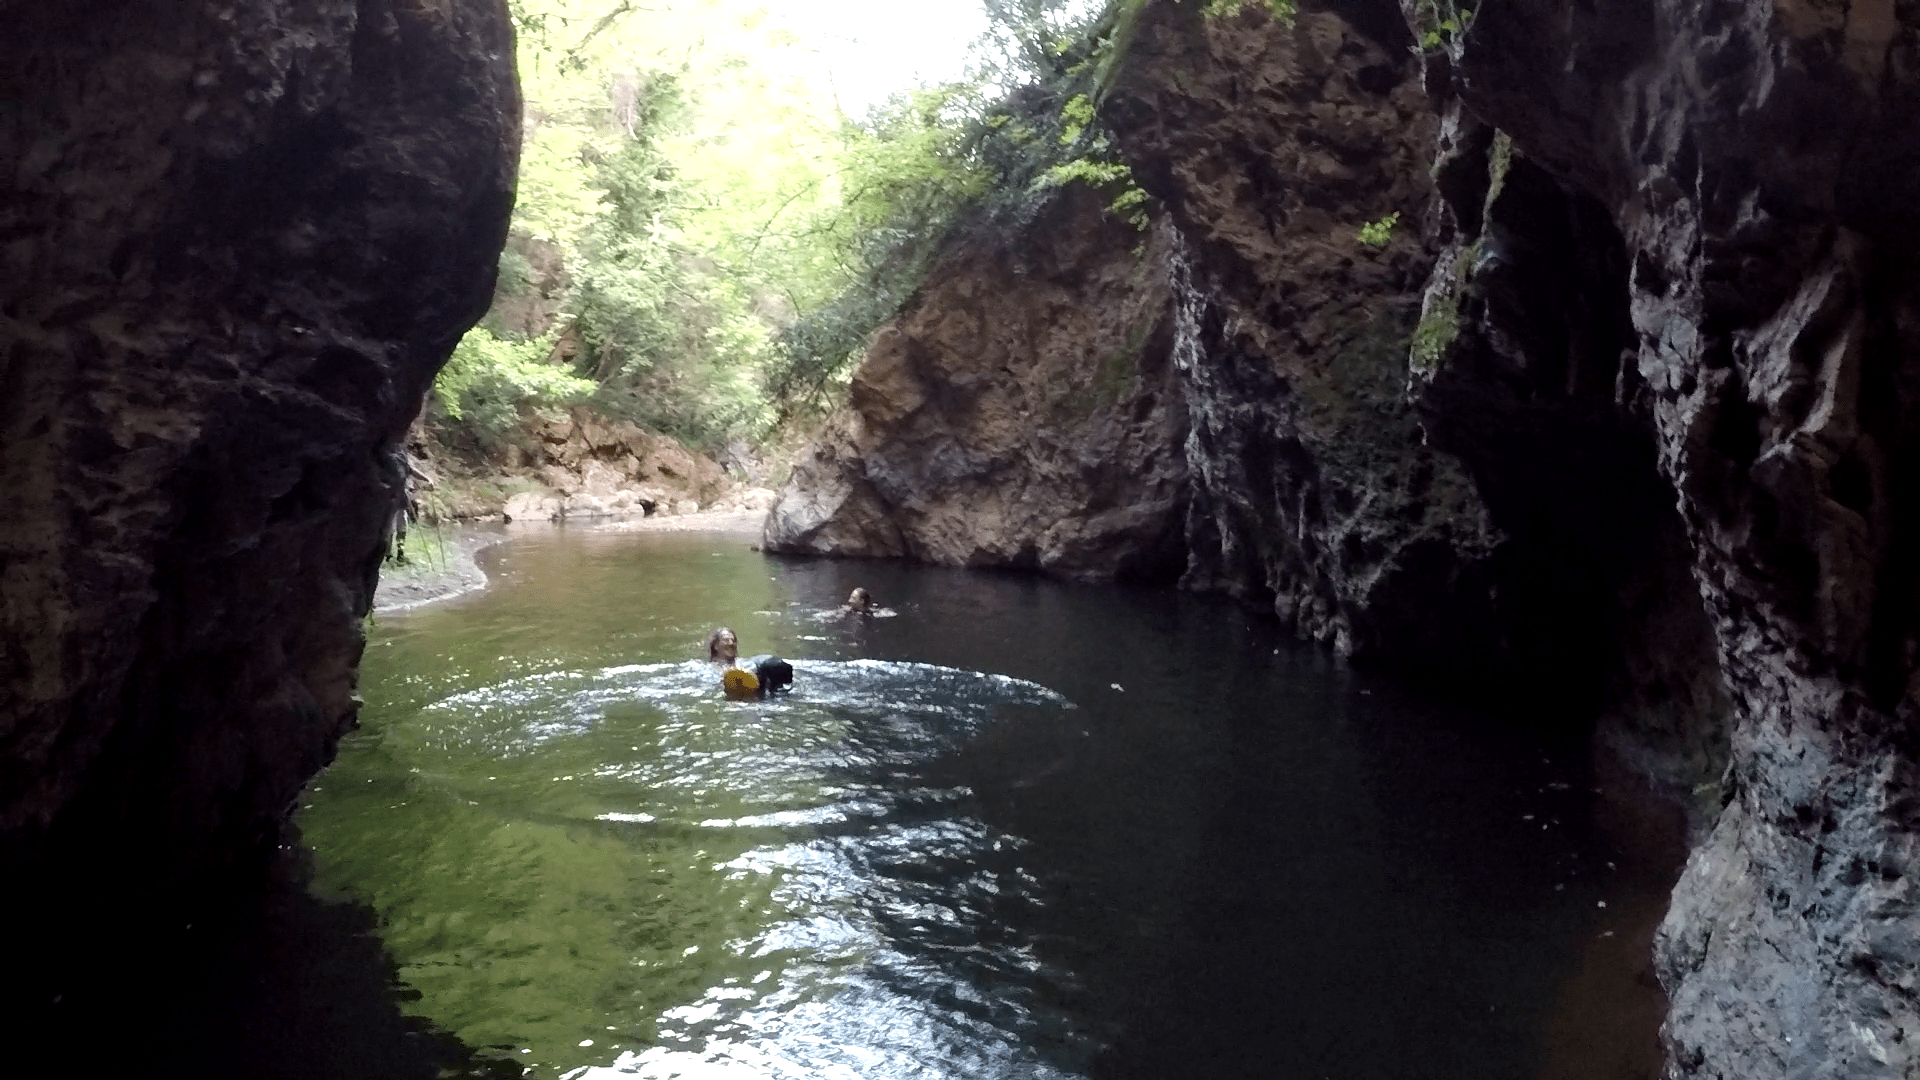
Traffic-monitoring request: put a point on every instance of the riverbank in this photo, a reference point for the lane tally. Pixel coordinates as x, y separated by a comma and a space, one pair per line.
443, 569
450, 566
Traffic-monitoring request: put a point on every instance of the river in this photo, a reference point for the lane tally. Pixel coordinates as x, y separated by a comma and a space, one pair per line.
1021, 828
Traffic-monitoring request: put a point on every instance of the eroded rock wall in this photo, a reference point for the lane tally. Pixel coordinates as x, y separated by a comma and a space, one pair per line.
1025, 413
1523, 366
1273, 144
1758, 160
238, 240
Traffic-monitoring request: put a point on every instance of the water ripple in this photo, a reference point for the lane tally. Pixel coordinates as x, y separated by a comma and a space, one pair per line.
880, 938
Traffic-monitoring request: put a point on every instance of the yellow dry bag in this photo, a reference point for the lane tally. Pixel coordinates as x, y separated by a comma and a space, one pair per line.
739, 682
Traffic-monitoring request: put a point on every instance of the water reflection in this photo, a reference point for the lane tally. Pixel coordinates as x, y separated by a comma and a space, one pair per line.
1162, 844
840, 914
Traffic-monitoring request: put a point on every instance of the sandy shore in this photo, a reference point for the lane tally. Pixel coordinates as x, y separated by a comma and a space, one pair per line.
460, 573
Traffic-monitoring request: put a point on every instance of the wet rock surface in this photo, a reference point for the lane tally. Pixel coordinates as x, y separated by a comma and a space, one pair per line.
1622, 408
239, 241
1024, 414
1523, 366
1273, 145
1623, 404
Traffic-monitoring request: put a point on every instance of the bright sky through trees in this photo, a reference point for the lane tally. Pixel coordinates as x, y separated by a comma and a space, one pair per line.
719, 200
871, 48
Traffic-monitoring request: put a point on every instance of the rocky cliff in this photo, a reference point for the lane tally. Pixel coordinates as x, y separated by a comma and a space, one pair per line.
1230, 408
576, 464
239, 239
1025, 413
1273, 144
1758, 161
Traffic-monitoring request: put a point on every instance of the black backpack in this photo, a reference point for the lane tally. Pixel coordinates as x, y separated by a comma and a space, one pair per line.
775, 674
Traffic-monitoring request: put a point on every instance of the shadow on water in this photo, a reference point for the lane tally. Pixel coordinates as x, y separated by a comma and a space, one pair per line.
266, 981
1264, 865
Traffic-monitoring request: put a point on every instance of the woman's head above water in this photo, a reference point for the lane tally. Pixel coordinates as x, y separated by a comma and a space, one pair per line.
858, 600
723, 647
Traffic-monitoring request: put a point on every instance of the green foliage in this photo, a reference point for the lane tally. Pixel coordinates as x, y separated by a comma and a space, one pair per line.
416, 551
1375, 234
487, 381
1432, 337
1129, 201
1438, 22
969, 162
680, 184
714, 242
1440, 323
1282, 10
1499, 163
911, 172
1077, 114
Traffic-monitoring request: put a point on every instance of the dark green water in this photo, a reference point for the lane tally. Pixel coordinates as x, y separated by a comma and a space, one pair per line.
1023, 829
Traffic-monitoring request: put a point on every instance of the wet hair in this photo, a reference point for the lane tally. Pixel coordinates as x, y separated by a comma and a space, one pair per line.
859, 600
713, 641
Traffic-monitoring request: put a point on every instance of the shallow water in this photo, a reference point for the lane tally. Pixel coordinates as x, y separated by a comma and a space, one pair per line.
1023, 829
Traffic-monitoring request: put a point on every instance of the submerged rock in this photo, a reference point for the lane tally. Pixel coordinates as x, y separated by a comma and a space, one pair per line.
240, 242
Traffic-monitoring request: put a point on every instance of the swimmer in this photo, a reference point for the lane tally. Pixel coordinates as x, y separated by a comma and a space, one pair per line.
860, 603
756, 678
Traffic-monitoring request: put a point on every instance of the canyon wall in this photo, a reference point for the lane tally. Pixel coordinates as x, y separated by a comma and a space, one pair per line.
1272, 145
239, 239
1758, 160
1620, 407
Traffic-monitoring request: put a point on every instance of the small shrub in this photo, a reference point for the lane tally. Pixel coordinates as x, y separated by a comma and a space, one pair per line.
1432, 337
488, 379
1130, 203
1375, 234
1440, 21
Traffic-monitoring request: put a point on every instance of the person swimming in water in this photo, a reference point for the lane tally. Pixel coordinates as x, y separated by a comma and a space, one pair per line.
757, 677
860, 602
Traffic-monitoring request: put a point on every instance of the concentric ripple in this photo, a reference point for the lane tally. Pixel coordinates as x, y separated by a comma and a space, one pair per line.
851, 921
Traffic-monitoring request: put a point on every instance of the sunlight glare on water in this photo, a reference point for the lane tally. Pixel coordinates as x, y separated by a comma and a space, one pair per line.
839, 898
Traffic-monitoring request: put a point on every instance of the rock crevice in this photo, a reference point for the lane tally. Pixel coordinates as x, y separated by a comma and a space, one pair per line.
1757, 160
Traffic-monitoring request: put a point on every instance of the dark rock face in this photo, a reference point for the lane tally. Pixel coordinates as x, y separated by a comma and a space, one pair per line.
238, 240
1024, 414
1272, 146
1758, 161
1523, 366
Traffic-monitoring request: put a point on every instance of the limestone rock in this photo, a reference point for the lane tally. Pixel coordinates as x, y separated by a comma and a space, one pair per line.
589, 453
1315, 496
533, 506
1523, 366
